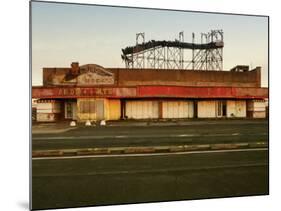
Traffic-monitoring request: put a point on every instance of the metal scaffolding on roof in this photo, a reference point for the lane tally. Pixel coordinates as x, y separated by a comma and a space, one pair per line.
207, 55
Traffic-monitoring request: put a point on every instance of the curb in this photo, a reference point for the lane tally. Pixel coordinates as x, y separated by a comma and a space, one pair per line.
143, 150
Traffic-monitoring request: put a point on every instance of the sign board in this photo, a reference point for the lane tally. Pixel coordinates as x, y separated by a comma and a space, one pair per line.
78, 92
92, 74
150, 91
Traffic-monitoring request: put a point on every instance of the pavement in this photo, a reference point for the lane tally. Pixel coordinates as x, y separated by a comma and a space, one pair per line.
60, 127
157, 138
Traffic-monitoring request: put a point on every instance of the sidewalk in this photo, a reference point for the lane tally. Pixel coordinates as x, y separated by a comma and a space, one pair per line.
60, 127
174, 122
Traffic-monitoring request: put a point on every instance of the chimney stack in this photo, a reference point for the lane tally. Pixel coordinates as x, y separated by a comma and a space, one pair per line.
75, 68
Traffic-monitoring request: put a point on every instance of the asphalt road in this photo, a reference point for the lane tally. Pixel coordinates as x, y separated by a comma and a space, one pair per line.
74, 182
231, 131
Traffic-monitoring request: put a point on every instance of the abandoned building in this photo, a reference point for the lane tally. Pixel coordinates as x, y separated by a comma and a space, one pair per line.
91, 92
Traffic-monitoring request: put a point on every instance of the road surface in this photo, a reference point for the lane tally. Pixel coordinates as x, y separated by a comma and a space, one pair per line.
102, 180
197, 132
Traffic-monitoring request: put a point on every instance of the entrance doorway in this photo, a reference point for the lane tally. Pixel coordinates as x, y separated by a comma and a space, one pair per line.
70, 109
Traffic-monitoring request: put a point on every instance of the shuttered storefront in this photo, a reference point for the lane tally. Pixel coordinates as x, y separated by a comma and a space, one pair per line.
141, 109
177, 109
207, 109
236, 108
113, 109
90, 109
48, 110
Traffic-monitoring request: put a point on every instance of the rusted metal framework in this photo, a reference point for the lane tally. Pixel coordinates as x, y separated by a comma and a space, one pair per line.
207, 55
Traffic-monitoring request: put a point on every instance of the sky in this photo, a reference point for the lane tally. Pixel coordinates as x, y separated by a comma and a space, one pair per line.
91, 34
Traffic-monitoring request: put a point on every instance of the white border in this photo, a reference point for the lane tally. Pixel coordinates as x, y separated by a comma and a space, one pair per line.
15, 104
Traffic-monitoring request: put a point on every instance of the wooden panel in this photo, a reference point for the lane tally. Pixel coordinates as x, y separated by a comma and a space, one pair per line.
49, 107
113, 109
190, 109
100, 109
240, 108
231, 108
236, 108
141, 109
206, 109
177, 109
259, 114
86, 109
44, 108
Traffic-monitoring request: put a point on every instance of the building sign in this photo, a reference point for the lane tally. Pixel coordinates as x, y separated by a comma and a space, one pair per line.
150, 91
95, 75
91, 78
85, 92
76, 92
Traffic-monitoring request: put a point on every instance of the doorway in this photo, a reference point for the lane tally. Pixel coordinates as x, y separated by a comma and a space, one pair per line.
70, 109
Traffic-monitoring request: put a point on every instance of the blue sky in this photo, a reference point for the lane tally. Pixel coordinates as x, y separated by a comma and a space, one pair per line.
62, 33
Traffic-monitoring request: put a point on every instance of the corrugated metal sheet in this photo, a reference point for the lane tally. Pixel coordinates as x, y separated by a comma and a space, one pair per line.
231, 108
236, 108
86, 109
100, 109
256, 105
44, 107
207, 109
177, 109
91, 109
240, 108
141, 109
48, 107
259, 114
113, 109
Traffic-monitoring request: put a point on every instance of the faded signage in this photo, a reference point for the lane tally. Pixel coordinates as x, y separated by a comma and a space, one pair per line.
150, 91
91, 78
85, 91
95, 75
75, 92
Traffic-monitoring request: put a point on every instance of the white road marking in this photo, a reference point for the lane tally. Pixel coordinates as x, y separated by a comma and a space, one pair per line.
140, 136
120, 136
149, 154
185, 135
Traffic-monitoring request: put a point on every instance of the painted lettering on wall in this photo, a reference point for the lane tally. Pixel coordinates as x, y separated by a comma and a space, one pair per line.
94, 79
85, 92
95, 75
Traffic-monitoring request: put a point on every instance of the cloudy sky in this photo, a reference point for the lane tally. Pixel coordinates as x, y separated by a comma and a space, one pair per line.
62, 33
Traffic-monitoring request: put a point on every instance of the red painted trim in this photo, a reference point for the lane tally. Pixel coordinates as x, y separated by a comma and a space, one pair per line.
202, 92
150, 92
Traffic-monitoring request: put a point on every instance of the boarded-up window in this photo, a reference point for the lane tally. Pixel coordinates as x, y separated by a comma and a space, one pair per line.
87, 106
177, 109
142, 109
